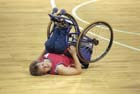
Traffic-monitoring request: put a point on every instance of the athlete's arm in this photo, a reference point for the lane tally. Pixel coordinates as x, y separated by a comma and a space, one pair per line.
62, 70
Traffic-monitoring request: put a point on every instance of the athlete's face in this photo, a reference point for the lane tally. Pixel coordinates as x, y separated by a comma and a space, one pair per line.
44, 66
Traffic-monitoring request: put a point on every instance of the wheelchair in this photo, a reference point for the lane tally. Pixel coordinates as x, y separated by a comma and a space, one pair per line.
92, 43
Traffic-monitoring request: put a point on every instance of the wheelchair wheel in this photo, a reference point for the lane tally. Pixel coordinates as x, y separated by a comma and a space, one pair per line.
73, 30
94, 42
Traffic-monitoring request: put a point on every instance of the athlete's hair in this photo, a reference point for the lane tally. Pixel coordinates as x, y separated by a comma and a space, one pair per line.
34, 70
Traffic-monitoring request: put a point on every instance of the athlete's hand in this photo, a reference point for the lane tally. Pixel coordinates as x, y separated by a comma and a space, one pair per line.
72, 50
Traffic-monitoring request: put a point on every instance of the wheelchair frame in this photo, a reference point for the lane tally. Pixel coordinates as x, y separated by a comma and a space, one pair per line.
78, 37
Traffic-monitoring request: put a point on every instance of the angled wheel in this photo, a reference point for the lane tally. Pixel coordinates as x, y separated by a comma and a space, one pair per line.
94, 42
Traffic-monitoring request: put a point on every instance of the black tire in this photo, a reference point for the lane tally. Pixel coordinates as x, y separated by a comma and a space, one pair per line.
90, 36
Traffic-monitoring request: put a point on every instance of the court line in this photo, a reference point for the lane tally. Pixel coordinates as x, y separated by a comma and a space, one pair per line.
76, 16
53, 3
89, 2
116, 42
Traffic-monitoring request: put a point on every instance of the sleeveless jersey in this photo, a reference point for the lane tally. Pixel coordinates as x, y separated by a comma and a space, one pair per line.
57, 59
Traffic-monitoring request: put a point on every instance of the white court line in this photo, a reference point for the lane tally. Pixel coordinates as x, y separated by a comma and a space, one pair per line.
91, 1
116, 42
77, 7
53, 3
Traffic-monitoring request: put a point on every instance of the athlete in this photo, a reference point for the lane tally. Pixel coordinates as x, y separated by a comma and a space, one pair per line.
57, 64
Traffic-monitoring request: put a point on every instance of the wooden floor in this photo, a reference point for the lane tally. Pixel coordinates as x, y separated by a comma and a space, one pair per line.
23, 25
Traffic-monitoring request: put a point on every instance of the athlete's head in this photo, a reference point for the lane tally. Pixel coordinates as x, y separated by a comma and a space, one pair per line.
40, 68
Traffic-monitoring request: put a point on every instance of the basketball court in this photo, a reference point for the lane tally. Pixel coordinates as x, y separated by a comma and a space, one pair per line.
23, 26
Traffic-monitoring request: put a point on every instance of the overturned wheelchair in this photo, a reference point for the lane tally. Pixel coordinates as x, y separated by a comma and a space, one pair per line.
92, 43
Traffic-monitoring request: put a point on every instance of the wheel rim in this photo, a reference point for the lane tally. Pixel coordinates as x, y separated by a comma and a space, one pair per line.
103, 33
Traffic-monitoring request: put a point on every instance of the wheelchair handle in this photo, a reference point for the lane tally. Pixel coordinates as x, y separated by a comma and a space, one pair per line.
58, 17
55, 10
62, 12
